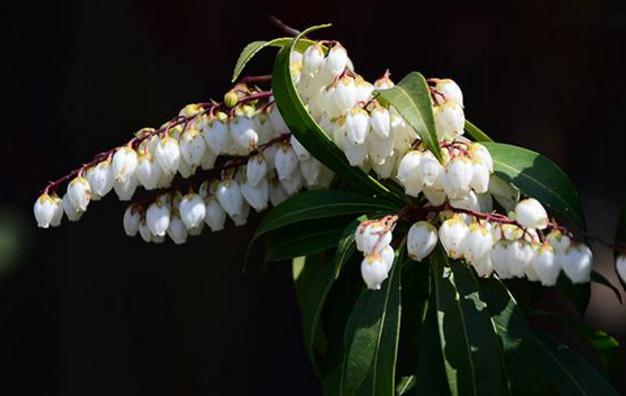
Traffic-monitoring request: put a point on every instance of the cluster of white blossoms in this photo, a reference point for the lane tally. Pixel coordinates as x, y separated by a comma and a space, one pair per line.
373, 238
249, 153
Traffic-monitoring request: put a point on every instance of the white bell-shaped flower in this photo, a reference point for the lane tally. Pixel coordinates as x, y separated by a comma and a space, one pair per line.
409, 174
145, 232
215, 216
312, 59
131, 221
380, 120
477, 243
480, 178
577, 262
124, 163
197, 230
374, 271
278, 123
301, 152
558, 241
468, 203
357, 125
364, 90
125, 188
421, 240
336, 62
546, 265
44, 210
456, 178
293, 183
192, 210
100, 178
185, 169
177, 230
484, 266
285, 161
343, 95
430, 168
387, 168
500, 259
216, 135
521, 254
372, 236
208, 160
79, 193
243, 133
450, 90
356, 153
228, 194
311, 169
70, 210
404, 136
192, 146
269, 153
451, 234
256, 169
167, 154
241, 218
388, 255
434, 196
449, 120
158, 216
481, 155
530, 213
148, 172
620, 267
256, 195
277, 193
379, 148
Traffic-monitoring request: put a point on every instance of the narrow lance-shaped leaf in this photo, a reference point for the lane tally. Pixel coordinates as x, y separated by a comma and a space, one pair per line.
306, 129
411, 98
468, 341
568, 373
371, 338
538, 177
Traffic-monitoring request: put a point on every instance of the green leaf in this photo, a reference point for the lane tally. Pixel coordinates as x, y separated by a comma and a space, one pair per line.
371, 337
319, 204
538, 177
406, 384
605, 346
305, 238
313, 280
476, 133
308, 132
411, 98
255, 47
521, 369
469, 344
505, 194
568, 373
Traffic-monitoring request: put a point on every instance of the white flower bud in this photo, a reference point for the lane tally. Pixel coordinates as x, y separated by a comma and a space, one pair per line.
301, 152
379, 148
520, 255
278, 123
484, 266
481, 155
477, 243
409, 174
403, 134
70, 210
145, 232
192, 147
434, 196
131, 221
158, 216
285, 161
148, 172
256, 170
243, 133
546, 265
185, 169
620, 266
277, 193
177, 231
577, 262
500, 259
456, 178
263, 127
450, 90
208, 160
294, 183
79, 193
380, 119
269, 153
312, 59
356, 153
364, 90
125, 188
167, 155
100, 178
192, 210
215, 216
343, 95
124, 163
386, 169
45, 210
480, 178
421, 240
357, 125
216, 135
531, 214
384, 82
241, 218
372, 236
430, 168
451, 234
374, 271
336, 62
449, 120
558, 241
469, 203
228, 194
311, 169
258, 195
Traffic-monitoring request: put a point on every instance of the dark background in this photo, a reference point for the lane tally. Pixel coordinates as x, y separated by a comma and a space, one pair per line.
86, 310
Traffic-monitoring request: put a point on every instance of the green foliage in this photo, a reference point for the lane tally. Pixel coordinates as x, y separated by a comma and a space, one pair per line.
411, 98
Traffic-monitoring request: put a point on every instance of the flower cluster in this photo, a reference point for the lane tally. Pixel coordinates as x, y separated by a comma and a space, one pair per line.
373, 238
240, 155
